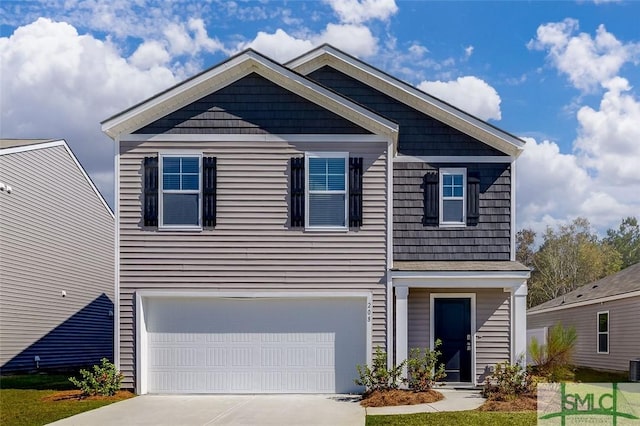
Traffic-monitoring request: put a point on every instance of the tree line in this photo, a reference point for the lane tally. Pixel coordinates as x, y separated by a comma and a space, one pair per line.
574, 255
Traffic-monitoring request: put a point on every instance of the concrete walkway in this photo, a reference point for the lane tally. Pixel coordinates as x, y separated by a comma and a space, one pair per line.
201, 410
454, 400
210, 410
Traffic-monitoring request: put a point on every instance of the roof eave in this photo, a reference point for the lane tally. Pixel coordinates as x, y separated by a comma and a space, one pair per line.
233, 69
430, 105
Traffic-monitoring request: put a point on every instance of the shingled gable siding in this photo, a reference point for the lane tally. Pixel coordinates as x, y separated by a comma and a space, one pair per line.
492, 324
488, 240
252, 105
420, 134
624, 333
252, 247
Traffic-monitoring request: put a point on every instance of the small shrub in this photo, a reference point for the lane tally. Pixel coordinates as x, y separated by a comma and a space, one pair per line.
553, 359
508, 382
422, 368
378, 376
104, 380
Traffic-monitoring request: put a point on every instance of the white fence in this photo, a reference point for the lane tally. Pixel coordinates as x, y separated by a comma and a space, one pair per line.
541, 336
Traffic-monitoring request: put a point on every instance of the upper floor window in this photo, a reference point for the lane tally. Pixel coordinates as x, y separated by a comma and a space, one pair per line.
603, 332
453, 183
326, 188
180, 200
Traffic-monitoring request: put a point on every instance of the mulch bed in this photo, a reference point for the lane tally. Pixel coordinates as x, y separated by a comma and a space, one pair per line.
520, 403
76, 395
399, 397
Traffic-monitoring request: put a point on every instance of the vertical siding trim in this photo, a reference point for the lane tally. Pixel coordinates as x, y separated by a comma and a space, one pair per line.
512, 207
116, 253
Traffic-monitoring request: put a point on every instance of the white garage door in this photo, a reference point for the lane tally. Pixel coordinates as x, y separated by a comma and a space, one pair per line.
246, 345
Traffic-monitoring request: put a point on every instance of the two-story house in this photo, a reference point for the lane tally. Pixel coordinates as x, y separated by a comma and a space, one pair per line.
277, 222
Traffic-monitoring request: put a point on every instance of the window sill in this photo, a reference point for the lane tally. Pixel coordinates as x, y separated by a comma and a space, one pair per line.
326, 229
180, 229
453, 225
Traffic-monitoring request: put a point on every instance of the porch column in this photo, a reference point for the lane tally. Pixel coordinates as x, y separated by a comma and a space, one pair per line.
519, 323
402, 323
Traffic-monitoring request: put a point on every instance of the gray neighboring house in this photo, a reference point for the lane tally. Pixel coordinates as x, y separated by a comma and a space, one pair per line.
57, 260
605, 315
278, 222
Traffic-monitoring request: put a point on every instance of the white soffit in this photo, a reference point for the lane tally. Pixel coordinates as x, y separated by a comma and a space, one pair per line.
403, 92
232, 70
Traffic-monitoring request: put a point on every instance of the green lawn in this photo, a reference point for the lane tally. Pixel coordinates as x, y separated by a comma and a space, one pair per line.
21, 400
588, 375
467, 418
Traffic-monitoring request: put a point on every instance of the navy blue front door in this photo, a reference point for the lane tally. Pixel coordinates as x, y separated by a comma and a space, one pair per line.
452, 325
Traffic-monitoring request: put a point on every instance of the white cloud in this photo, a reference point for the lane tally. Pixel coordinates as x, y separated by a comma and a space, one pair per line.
609, 138
354, 39
468, 93
150, 54
65, 83
360, 11
554, 188
588, 62
468, 51
281, 46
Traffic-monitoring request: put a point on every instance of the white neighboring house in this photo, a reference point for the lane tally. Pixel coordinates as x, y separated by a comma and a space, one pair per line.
56, 260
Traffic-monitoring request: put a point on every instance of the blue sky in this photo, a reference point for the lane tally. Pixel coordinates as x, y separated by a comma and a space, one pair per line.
562, 75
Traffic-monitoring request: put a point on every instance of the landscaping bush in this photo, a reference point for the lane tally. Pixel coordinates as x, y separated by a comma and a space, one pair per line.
422, 368
104, 380
508, 382
553, 360
379, 377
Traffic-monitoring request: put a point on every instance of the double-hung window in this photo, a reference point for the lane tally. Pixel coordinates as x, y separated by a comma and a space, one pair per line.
326, 187
453, 183
180, 191
603, 332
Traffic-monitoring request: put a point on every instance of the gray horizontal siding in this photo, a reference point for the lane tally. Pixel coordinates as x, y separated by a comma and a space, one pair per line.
490, 239
252, 247
56, 236
493, 328
252, 105
624, 333
419, 134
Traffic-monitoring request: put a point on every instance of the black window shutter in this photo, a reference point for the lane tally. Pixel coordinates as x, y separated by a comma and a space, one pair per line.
297, 192
431, 185
355, 191
473, 198
151, 191
209, 191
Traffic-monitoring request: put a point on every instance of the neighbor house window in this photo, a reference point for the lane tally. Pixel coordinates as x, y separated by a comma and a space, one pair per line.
453, 183
180, 191
326, 187
603, 332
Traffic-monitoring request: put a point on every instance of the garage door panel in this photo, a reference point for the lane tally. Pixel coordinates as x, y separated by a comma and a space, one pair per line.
255, 345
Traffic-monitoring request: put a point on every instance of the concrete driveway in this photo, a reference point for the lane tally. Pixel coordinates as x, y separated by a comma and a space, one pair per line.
203, 410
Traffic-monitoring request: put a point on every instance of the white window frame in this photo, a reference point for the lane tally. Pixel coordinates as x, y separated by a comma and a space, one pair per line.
453, 171
161, 225
598, 332
307, 192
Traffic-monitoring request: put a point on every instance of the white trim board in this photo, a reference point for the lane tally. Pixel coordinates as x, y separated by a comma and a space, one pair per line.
266, 137
452, 159
588, 302
472, 297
